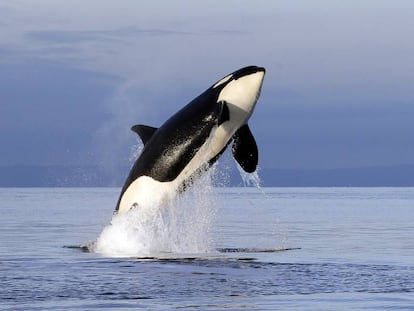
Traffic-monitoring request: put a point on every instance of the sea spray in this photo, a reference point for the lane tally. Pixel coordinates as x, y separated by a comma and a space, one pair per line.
181, 226
249, 179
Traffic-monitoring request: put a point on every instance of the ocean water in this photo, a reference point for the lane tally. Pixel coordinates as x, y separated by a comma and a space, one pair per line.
240, 249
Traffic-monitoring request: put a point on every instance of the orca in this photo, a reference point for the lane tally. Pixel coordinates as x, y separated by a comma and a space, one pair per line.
193, 139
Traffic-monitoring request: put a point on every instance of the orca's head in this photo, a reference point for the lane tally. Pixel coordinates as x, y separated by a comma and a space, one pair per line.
241, 89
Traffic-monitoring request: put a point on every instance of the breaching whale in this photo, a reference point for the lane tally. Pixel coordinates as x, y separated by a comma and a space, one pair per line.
193, 139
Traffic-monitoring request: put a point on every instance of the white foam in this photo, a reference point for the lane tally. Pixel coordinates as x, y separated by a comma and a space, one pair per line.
182, 226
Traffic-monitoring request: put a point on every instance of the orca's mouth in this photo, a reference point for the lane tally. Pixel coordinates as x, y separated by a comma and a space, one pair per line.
247, 71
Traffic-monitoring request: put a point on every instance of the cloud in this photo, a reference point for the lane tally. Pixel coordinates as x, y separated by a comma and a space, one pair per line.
75, 36
53, 105
337, 89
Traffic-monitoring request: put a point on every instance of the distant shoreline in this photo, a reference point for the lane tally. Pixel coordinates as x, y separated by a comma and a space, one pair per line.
95, 177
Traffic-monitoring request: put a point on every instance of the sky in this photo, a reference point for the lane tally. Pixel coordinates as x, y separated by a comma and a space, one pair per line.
76, 75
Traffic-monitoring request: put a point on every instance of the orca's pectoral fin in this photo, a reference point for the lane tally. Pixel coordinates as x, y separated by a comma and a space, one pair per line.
245, 149
144, 131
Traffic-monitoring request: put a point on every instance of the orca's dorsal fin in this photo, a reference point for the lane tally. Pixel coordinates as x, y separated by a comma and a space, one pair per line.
245, 149
144, 131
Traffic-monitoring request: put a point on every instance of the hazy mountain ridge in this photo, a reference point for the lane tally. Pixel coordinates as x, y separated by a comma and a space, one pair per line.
94, 176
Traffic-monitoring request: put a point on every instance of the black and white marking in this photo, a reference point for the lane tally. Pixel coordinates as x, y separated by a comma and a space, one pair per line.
194, 138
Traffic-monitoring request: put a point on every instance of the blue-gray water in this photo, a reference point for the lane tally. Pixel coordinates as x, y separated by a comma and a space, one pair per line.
352, 249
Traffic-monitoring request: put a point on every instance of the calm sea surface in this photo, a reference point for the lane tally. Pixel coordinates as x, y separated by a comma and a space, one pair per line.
276, 249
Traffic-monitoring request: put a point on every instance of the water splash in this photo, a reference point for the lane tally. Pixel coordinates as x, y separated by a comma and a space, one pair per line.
182, 226
249, 179
135, 151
